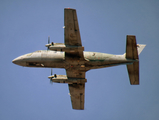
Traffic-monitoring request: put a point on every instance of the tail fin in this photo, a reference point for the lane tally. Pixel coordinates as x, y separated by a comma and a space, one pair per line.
132, 52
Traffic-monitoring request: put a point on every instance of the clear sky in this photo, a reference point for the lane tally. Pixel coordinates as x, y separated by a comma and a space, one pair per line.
26, 93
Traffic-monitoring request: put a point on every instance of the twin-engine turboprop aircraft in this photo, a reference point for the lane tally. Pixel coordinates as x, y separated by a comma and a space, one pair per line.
72, 57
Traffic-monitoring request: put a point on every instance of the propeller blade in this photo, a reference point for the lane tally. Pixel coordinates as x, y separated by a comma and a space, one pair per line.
51, 71
48, 42
51, 81
48, 39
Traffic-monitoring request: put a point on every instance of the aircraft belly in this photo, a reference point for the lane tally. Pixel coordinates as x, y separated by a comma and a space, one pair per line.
106, 63
55, 64
49, 64
51, 59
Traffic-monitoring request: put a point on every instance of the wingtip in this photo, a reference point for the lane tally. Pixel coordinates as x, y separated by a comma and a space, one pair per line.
69, 8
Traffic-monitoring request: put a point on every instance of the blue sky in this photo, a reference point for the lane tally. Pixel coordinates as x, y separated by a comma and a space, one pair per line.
26, 93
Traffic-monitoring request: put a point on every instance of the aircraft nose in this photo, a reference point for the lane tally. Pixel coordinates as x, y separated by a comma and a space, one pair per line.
14, 61
18, 60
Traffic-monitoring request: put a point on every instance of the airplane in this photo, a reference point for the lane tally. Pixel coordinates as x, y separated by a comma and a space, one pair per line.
71, 56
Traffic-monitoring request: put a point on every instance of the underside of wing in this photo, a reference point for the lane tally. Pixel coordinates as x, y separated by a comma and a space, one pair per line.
77, 90
77, 95
74, 57
72, 33
73, 73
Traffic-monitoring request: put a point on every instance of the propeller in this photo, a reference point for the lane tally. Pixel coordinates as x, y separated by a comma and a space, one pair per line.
51, 71
48, 42
51, 77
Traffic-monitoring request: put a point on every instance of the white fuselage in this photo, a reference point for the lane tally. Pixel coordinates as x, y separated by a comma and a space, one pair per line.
56, 59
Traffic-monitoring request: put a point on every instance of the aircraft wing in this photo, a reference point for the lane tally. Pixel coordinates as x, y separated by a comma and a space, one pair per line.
71, 33
75, 54
77, 90
77, 95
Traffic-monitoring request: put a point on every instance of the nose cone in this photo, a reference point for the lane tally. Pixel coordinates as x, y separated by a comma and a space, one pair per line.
16, 60
19, 61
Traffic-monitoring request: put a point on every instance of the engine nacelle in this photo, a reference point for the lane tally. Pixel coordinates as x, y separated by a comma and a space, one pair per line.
55, 44
64, 79
63, 47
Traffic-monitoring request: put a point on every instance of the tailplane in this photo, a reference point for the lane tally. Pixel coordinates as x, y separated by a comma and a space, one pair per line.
132, 52
131, 48
133, 71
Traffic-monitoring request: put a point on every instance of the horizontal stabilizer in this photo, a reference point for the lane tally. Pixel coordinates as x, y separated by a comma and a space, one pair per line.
133, 71
132, 52
131, 47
